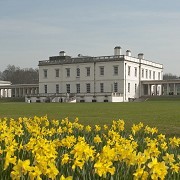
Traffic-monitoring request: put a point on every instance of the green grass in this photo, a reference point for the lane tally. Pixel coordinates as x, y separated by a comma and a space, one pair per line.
165, 115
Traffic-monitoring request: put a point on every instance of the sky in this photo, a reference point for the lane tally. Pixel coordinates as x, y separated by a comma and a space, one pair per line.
34, 30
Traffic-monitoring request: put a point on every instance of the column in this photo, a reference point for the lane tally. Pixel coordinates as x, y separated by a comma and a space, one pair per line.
6, 92
155, 90
149, 90
28, 91
37, 90
15, 92
3, 94
33, 90
162, 89
174, 89
10, 92
19, 92
23, 92
167, 88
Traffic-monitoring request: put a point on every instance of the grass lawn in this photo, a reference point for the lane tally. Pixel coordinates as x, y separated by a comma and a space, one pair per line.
165, 115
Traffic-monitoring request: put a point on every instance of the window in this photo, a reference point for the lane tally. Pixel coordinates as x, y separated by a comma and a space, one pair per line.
149, 74
101, 70
129, 70
115, 87
57, 88
78, 72
159, 75
88, 71
45, 88
135, 88
153, 74
135, 71
129, 87
68, 72
57, 72
68, 88
77, 88
45, 73
101, 87
146, 73
115, 70
142, 73
88, 88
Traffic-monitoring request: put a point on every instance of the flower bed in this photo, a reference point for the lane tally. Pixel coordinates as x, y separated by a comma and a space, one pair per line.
38, 148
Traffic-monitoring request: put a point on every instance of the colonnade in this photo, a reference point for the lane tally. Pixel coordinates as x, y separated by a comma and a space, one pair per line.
163, 87
5, 92
19, 90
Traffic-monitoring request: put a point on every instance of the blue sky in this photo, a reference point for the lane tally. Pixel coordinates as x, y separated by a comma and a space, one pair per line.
31, 31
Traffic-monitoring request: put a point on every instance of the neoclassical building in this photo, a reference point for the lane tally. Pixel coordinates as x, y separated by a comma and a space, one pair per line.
115, 78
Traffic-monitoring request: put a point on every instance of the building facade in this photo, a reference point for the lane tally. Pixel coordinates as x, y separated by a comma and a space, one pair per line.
5, 92
115, 78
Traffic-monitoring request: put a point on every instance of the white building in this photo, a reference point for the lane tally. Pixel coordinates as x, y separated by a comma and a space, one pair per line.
115, 78
5, 92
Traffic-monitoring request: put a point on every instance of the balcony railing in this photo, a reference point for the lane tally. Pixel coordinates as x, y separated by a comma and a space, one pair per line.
69, 95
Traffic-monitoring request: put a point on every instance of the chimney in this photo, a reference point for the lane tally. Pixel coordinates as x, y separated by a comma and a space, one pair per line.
140, 56
62, 53
117, 51
128, 53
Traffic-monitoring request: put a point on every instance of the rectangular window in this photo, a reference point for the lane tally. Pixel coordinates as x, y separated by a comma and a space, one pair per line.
78, 72
142, 73
57, 88
68, 88
57, 72
146, 73
135, 88
88, 72
101, 70
159, 75
115, 70
88, 88
135, 71
77, 88
149, 74
115, 87
129, 70
153, 74
45, 88
45, 73
68, 72
128, 87
101, 87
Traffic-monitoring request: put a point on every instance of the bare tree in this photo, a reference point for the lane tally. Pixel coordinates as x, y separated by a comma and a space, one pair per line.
20, 76
167, 76
1, 75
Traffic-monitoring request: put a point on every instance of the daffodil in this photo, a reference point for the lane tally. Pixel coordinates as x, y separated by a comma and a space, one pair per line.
88, 128
65, 159
9, 160
20, 169
67, 178
97, 139
169, 158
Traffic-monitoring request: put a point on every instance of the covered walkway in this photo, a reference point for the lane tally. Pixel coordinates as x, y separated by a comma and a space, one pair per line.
160, 87
19, 90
